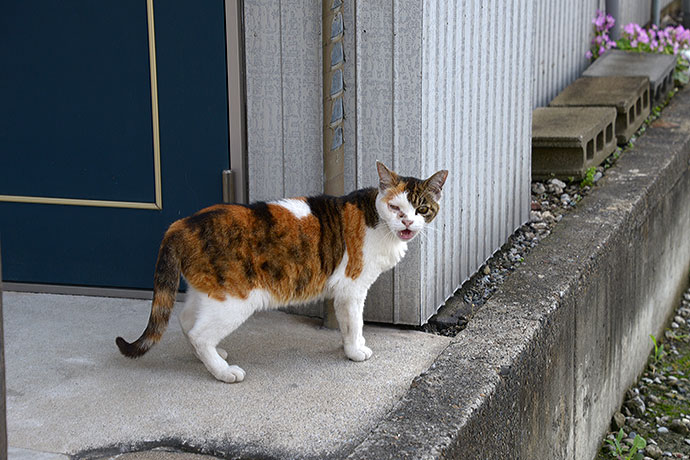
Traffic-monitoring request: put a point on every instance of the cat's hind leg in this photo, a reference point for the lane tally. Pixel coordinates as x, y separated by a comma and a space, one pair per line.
214, 321
187, 316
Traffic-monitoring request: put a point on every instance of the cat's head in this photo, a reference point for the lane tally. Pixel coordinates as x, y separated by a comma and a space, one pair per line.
407, 204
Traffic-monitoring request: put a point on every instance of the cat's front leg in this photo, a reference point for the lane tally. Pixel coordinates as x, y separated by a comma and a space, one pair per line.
349, 313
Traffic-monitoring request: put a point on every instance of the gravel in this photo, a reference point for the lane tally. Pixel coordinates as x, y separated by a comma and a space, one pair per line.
657, 407
551, 200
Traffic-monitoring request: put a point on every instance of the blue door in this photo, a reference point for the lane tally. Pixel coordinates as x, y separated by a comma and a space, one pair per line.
113, 124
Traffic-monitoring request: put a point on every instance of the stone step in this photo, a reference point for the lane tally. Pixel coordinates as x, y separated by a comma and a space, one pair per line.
566, 141
657, 67
629, 95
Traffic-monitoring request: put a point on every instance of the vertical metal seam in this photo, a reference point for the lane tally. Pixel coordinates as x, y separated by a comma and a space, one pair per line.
355, 134
282, 93
395, 166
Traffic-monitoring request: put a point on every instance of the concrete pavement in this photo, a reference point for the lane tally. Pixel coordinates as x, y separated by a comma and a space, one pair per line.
70, 392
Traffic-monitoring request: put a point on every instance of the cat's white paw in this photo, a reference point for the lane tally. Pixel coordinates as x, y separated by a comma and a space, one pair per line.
358, 353
223, 354
231, 374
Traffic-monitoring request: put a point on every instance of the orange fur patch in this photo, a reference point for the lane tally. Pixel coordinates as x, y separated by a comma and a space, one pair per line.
355, 229
232, 250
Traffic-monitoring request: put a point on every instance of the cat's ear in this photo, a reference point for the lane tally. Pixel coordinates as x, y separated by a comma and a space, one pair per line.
435, 183
387, 178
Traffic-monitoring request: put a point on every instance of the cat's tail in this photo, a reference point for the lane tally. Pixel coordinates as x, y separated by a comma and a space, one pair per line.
166, 281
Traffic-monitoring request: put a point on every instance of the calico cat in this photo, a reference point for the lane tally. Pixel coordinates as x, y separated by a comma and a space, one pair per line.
238, 259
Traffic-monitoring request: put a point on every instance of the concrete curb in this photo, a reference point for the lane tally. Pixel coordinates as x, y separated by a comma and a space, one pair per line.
542, 366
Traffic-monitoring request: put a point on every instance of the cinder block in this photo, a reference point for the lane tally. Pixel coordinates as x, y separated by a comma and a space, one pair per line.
566, 141
629, 95
657, 67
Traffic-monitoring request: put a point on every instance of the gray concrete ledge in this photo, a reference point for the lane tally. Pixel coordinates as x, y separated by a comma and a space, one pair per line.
542, 366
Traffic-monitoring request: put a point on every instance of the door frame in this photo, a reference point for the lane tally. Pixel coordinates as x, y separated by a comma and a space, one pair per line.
237, 107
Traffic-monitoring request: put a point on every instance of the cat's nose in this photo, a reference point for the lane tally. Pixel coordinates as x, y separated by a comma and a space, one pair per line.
407, 223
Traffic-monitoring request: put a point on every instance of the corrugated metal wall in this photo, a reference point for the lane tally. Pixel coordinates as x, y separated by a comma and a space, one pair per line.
429, 85
638, 11
443, 86
562, 33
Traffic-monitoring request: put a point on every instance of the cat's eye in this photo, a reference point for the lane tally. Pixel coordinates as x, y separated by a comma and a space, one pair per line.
394, 207
422, 209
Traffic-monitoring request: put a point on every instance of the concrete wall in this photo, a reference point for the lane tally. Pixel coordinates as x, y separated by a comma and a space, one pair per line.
541, 368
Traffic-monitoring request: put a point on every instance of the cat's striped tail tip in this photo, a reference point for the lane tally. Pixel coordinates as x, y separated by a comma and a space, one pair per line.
130, 350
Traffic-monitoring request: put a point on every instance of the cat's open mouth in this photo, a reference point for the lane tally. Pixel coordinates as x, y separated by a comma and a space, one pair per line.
406, 235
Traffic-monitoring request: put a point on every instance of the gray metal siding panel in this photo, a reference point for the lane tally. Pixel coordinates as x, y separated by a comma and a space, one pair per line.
477, 112
639, 11
562, 33
264, 99
301, 58
429, 86
284, 98
407, 145
374, 139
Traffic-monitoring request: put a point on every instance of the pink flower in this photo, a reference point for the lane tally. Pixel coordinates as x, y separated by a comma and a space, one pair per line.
643, 37
630, 29
633, 43
602, 50
588, 55
610, 21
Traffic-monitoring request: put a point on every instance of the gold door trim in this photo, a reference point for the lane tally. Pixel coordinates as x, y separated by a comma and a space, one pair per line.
158, 203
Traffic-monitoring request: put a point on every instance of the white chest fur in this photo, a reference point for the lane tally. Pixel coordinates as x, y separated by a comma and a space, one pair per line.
382, 249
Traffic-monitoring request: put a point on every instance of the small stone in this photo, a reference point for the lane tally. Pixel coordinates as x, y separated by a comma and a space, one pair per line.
538, 188
535, 216
653, 399
674, 325
536, 206
618, 421
598, 175
548, 217
684, 312
561, 184
662, 430
672, 380
679, 427
565, 198
636, 406
686, 296
667, 454
679, 320
653, 451
487, 270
